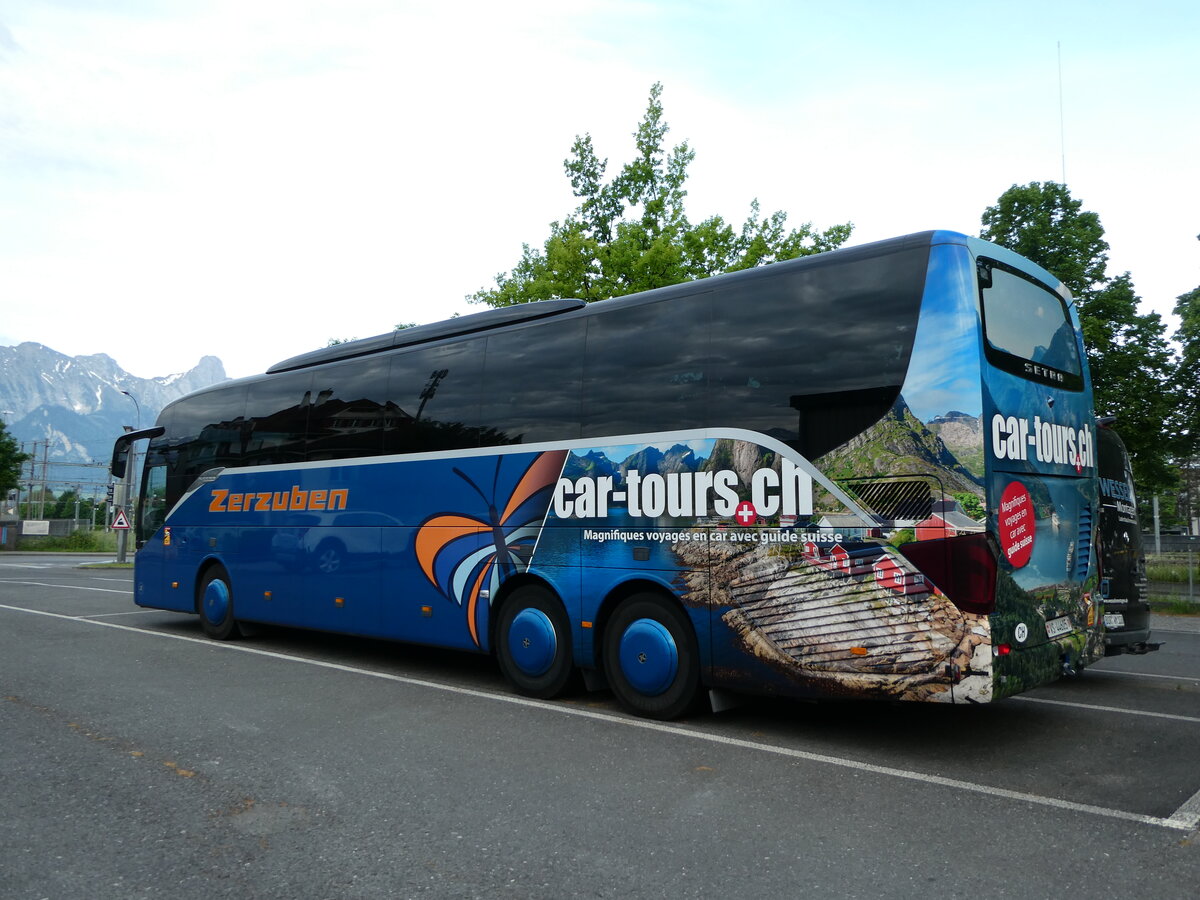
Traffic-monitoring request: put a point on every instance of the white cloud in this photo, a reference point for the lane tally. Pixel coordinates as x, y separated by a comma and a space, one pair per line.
248, 180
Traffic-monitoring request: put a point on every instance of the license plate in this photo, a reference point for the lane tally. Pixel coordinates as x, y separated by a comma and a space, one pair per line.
1060, 626
1114, 620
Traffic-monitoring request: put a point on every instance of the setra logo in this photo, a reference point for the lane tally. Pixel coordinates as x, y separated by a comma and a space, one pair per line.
267, 501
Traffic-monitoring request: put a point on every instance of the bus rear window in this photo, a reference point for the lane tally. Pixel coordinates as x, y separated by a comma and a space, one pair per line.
1026, 327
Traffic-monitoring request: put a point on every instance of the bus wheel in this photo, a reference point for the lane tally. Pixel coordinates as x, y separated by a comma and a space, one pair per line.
533, 643
650, 657
214, 602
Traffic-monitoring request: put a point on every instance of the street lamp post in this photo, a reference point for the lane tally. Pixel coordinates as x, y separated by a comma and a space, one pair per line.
136, 406
123, 537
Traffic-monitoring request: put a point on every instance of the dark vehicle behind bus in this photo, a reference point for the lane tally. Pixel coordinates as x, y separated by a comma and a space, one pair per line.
1122, 559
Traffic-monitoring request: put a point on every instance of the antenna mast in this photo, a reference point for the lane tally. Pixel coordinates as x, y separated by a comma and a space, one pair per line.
1062, 131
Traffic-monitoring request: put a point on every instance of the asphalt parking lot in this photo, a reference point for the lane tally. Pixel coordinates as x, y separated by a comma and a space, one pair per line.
139, 759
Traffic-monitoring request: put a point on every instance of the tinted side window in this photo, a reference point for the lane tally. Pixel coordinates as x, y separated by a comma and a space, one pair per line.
167, 452
208, 432
814, 355
646, 367
433, 398
349, 404
531, 382
276, 419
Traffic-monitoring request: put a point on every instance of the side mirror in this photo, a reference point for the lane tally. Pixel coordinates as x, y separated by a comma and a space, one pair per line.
120, 457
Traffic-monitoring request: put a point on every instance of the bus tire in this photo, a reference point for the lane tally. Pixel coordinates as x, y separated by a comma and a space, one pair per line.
650, 657
214, 603
533, 643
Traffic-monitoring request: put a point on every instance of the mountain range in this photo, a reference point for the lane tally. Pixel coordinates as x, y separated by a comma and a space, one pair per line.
900, 444
77, 404
647, 460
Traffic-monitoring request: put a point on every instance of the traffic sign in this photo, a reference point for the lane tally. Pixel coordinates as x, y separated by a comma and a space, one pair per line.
120, 520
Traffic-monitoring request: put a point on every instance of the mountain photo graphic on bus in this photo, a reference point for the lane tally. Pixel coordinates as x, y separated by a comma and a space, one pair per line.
868, 473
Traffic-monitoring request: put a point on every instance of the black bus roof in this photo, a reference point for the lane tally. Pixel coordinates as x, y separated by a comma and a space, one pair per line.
539, 309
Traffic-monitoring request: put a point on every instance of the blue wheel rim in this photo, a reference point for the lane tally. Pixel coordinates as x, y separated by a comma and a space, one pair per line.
216, 602
532, 642
649, 658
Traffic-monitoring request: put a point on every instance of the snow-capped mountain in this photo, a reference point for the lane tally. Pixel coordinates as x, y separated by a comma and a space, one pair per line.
76, 402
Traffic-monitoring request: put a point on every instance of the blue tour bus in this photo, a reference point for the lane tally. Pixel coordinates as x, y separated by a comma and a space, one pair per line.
865, 473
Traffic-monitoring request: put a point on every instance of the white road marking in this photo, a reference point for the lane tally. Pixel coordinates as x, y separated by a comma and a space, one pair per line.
1186, 818
1114, 709
70, 587
1091, 672
1188, 815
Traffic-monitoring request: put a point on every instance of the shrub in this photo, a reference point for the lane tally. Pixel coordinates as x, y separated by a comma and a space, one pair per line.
77, 542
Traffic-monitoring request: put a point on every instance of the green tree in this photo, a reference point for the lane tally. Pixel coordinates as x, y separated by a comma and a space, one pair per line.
1187, 307
1130, 359
63, 506
1044, 223
631, 232
11, 460
400, 326
1187, 377
971, 505
1132, 373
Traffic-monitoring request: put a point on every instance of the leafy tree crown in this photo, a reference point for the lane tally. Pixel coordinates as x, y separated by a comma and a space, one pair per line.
631, 232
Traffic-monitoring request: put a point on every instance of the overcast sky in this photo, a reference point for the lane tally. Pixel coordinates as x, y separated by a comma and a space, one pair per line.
248, 179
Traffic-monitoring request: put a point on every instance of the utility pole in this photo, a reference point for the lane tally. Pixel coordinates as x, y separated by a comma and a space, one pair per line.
37, 486
22, 512
45, 476
1157, 529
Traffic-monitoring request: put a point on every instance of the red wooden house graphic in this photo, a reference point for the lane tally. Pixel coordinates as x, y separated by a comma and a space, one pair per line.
891, 575
946, 520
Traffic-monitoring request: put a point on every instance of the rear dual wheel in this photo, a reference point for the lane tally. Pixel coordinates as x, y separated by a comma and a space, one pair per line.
650, 657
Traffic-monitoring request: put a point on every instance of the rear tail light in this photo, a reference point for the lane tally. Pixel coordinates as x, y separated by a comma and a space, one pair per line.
963, 568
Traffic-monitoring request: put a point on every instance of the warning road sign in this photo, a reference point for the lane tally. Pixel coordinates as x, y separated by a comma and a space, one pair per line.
120, 520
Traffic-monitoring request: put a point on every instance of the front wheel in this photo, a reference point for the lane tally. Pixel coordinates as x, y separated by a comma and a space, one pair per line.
650, 657
214, 602
533, 643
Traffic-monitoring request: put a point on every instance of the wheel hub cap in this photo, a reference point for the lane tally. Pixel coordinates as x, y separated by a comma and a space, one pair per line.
532, 642
649, 657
